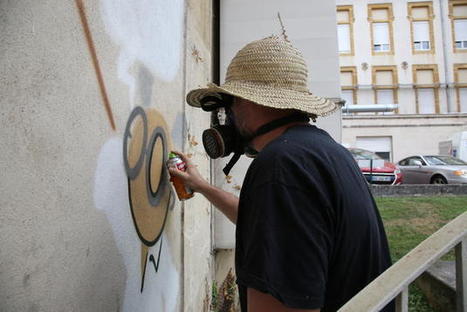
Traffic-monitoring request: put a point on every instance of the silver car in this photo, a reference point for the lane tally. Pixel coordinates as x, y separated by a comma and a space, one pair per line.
433, 169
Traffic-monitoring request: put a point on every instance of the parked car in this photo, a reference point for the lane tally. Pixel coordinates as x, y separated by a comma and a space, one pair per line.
375, 169
433, 169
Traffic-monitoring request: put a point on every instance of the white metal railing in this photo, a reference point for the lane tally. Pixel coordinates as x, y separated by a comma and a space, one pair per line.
394, 282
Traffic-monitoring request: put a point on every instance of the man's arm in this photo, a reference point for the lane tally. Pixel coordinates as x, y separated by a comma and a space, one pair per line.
226, 202
261, 302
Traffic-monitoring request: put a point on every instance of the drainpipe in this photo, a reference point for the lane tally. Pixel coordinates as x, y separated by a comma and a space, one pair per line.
445, 56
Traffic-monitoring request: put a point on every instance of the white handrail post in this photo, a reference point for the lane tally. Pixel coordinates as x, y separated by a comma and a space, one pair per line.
461, 275
402, 300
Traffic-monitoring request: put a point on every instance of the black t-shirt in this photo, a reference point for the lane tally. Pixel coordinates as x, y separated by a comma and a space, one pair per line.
308, 230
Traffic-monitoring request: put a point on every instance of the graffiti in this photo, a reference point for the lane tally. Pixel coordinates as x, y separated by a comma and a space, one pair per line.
145, 152
111, 196
95, 61
132, 186
152, 260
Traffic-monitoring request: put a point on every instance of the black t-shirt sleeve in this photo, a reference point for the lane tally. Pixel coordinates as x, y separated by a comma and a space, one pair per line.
287, 245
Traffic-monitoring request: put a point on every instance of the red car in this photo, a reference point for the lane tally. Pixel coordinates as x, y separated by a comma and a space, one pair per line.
375, 169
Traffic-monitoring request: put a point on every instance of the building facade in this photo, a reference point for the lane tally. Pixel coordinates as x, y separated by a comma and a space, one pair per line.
409, 53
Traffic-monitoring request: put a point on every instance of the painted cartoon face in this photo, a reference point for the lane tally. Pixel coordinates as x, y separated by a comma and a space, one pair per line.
145, 151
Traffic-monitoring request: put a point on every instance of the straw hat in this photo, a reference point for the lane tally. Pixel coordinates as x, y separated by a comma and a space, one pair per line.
269, 72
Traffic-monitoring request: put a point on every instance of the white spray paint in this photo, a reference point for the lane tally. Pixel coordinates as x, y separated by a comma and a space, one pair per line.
111, 196
148, 31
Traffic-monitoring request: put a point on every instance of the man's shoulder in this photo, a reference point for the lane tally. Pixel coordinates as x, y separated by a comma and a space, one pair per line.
308, 141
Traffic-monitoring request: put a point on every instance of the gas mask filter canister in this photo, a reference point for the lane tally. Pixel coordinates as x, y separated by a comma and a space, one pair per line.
223, 139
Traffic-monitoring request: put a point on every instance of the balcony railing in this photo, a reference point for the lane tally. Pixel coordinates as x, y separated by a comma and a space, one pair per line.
394, 282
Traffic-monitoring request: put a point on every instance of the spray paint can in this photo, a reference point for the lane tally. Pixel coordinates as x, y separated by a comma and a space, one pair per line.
183, 192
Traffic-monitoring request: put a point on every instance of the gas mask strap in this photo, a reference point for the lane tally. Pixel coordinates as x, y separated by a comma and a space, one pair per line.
231, 163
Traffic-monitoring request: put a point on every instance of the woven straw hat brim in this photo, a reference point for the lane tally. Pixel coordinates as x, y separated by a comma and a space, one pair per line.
267, 96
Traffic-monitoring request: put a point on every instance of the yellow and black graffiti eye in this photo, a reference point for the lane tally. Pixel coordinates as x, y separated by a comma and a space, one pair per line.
148, 183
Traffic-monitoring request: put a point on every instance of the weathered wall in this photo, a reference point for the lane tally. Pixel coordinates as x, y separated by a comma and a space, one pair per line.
86, 226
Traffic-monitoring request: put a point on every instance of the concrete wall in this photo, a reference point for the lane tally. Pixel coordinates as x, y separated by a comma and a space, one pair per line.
85, 227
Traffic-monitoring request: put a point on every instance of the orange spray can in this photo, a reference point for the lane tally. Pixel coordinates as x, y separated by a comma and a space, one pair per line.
183, 192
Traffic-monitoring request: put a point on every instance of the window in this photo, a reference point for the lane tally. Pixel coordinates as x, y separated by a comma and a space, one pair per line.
385, 96
345, 29
426, 100
460, 30
385, 84
349, 84
421, 37
444, 161
458, 16
347, 95
414, 161
426, 84
381, 40
380, 17
404, 162
460, 82
421, 22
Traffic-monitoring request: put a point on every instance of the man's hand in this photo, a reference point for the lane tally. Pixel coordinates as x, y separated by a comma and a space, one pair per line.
191, 177
224, 201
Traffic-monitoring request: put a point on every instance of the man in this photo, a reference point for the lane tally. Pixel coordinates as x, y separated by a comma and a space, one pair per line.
308, 235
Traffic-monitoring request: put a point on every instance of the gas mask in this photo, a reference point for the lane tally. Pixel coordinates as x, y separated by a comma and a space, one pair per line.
223, 138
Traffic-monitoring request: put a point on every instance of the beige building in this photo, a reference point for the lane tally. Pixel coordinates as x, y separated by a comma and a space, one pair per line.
409, 53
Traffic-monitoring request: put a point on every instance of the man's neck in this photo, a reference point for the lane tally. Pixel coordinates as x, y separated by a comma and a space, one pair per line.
261, 141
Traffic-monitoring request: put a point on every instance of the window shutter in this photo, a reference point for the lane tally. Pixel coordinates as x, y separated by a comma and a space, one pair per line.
462, 75
460, 29
463, 99
380, 145
347, 95
384, 97
426, 101
384, 78
425, 76
421, 31
380, 33
343, 35
346, 79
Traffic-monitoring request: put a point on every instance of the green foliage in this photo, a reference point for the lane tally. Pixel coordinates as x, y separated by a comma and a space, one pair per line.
214, 296
223, 297
410, 220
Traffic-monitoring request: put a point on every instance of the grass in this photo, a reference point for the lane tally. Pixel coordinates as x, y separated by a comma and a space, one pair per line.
410, 220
